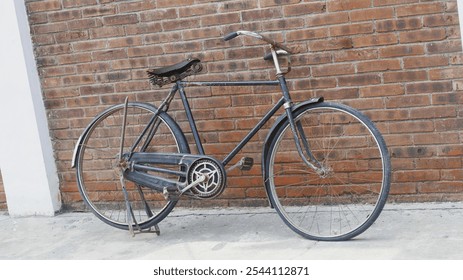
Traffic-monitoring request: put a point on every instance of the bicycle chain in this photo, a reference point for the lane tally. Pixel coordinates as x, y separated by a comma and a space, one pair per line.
164, 80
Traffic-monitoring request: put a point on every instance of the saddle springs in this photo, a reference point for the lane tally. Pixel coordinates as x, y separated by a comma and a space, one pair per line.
171, 74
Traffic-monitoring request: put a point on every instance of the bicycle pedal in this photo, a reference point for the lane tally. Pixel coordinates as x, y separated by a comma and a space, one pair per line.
246, 163
171, 195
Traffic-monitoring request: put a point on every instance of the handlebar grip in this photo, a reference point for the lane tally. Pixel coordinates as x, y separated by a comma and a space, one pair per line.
230, 36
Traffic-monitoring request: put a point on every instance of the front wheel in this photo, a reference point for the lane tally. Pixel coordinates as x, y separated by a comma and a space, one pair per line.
345, 199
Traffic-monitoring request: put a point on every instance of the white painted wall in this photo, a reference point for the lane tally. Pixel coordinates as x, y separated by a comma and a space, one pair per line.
26, 156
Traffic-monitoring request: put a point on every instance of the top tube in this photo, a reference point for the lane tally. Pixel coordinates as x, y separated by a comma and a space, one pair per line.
230, 83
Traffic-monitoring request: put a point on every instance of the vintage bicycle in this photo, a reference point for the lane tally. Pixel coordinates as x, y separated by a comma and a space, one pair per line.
325, 166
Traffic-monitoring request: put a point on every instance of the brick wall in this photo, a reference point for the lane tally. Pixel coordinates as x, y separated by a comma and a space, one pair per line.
2, 194
399, 62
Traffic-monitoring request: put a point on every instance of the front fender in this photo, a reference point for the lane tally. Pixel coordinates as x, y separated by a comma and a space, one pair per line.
282, 120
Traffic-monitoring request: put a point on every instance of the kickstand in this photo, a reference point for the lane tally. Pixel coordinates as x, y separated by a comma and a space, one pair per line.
157, 230
130, 216
123, 166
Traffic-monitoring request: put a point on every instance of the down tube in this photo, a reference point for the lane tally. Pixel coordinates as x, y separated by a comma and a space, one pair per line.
251, 133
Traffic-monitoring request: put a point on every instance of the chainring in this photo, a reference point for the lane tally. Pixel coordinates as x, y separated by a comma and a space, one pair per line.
216, 178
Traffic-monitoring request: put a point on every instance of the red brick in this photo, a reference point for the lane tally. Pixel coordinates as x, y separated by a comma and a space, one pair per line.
158, 14
93, 67
327, 19
406, 76
429, 87
424, 62
173, 3
63, 15
107, 32
375, 40
398, 24
412, 126
120, 19
408, 101
359, 80
220, 19
420, 9
438, 112
83, 24
53, 49
422, 36
351, 29
379, 65
304, 9
179, 24
49, 28
109, 55
398, 51
393, 2
440, 20
381, 90
354, 55
71, 36
136, 6
417, 175
237, 6
282, 24
78, 3
267, 3
371, 14
197, 10
447, 73
43, 6
348, 5
335, 69
98, 11
307, 34
308, 84
331, 44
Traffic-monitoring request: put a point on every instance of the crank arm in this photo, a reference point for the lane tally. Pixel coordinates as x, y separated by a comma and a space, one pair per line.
176, 194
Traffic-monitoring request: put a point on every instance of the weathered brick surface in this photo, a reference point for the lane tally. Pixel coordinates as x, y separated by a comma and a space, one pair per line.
2, 194
398, 61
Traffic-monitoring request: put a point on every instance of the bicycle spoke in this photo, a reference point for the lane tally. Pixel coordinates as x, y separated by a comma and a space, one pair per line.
345, 198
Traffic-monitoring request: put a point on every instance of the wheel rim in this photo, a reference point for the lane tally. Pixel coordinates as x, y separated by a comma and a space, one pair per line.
98, 175
345, 200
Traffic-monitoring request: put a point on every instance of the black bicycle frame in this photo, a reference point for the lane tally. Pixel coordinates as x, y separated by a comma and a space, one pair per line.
180, 87
285, 101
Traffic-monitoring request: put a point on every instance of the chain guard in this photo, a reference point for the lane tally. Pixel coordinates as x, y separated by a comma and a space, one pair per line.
214, 185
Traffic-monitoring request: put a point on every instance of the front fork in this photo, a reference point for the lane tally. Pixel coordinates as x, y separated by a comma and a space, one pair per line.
298, 133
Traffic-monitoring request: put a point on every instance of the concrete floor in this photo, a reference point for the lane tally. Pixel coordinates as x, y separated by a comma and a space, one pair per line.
425, 231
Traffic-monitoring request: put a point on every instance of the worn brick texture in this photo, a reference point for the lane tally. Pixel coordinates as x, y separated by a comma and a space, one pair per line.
399, 62
2, 194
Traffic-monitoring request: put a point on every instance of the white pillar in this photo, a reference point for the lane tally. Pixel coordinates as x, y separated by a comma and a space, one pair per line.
26, 157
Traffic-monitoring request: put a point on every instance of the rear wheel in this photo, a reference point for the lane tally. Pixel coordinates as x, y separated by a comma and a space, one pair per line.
345, 199
98, 173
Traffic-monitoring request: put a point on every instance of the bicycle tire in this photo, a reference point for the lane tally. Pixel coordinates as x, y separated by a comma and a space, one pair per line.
345, 201
96, 166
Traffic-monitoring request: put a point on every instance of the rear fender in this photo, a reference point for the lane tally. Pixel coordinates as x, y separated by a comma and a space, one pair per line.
147, 106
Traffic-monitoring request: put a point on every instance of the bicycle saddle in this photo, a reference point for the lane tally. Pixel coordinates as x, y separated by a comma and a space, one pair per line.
173, 73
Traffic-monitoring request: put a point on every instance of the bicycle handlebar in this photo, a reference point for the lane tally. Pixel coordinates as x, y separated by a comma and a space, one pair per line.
258, 36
